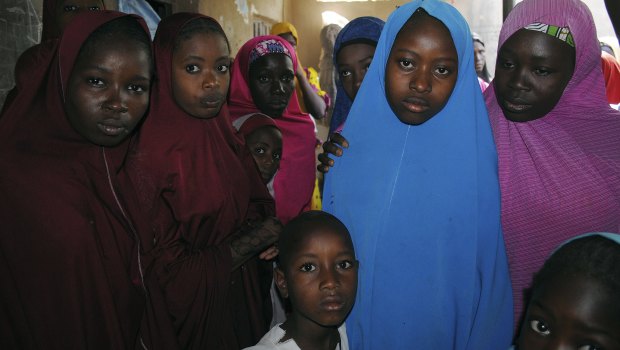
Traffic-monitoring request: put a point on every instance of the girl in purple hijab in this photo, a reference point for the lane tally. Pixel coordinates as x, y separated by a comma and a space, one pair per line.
558, 141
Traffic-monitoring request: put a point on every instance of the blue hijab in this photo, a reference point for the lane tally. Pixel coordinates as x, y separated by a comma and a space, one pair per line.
359, 29
422, 205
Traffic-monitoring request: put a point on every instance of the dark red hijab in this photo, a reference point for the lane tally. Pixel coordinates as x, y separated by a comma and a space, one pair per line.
199, 185
70, 265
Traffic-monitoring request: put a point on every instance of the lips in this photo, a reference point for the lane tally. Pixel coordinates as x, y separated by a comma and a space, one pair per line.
278, 103
332, 303
516, 105
415, 104
211, 101
111, 129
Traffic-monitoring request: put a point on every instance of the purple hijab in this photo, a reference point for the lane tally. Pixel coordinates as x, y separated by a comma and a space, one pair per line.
560, 174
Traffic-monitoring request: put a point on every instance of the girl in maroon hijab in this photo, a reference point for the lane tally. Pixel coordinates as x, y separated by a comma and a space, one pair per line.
70, 255
204, 197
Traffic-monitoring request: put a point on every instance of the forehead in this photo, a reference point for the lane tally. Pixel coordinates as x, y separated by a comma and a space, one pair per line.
63, 3
266, 133
317, 238
532, 43
582, 301
355, 50
423, 27
272, 61
212, 42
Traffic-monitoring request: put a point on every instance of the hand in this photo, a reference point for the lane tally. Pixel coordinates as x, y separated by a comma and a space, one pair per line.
300, 73
335, 145
270, 253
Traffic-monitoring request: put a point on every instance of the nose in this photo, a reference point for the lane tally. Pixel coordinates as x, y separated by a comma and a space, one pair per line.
518, 80
115, 102
329, 279
421, 81
277, 87
209, 80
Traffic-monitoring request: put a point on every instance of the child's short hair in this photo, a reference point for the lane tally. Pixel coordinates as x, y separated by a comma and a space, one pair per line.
200, 25
304, 224
593, 256
125, 27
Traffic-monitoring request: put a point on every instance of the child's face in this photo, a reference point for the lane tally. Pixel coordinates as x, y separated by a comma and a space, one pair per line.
421, 70
320, 278
67, 9
265, 143
108, 92
532, 71
200, 74
353, 62
272, 83
571, 312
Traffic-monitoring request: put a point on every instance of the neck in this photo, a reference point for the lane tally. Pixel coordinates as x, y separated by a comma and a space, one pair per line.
309, 335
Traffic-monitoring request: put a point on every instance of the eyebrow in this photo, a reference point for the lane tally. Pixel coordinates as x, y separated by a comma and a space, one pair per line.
105, 70
417, 54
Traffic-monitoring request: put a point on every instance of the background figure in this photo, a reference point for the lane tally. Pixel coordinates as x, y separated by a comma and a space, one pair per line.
611, 73
310, 97
360, 31
327, 73
556, 136
480, 59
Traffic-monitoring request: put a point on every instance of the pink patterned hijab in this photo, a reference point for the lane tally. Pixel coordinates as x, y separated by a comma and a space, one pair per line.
559, 174
294, 182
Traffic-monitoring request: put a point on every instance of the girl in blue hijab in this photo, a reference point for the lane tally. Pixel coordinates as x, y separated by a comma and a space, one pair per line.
418, 189
359, 32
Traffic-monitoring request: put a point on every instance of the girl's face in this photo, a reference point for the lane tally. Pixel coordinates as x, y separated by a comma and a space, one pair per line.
479, 59
353, 62
200, 74
421, 70
108, 91
571, 312
67, 9
265, 144
272, 83
532, 71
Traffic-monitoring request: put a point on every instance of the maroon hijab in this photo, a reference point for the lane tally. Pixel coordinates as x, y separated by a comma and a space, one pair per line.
200, 185
70, 267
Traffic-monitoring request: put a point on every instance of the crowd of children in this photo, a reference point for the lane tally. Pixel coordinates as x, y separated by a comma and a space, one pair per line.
156, 195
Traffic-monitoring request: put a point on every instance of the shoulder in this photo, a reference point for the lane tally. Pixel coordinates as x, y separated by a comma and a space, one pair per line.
271, 341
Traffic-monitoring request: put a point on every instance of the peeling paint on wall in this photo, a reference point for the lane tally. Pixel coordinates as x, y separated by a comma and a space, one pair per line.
243, 9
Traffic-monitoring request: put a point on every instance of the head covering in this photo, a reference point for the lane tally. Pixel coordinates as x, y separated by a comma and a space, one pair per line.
485, 76
559, 174
362, 28
50, 26
611, 72
247, 124
70, 246
283, 28
199, 185
295, 180
422, 206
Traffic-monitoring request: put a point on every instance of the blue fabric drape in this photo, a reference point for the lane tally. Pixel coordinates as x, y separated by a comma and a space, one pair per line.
143, 9
368, 28
422, 204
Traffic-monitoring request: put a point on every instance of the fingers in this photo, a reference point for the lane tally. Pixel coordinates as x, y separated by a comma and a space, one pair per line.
339, 140
332, 148
270, 253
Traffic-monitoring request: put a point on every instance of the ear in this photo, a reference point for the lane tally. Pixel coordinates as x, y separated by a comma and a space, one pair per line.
280, 280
